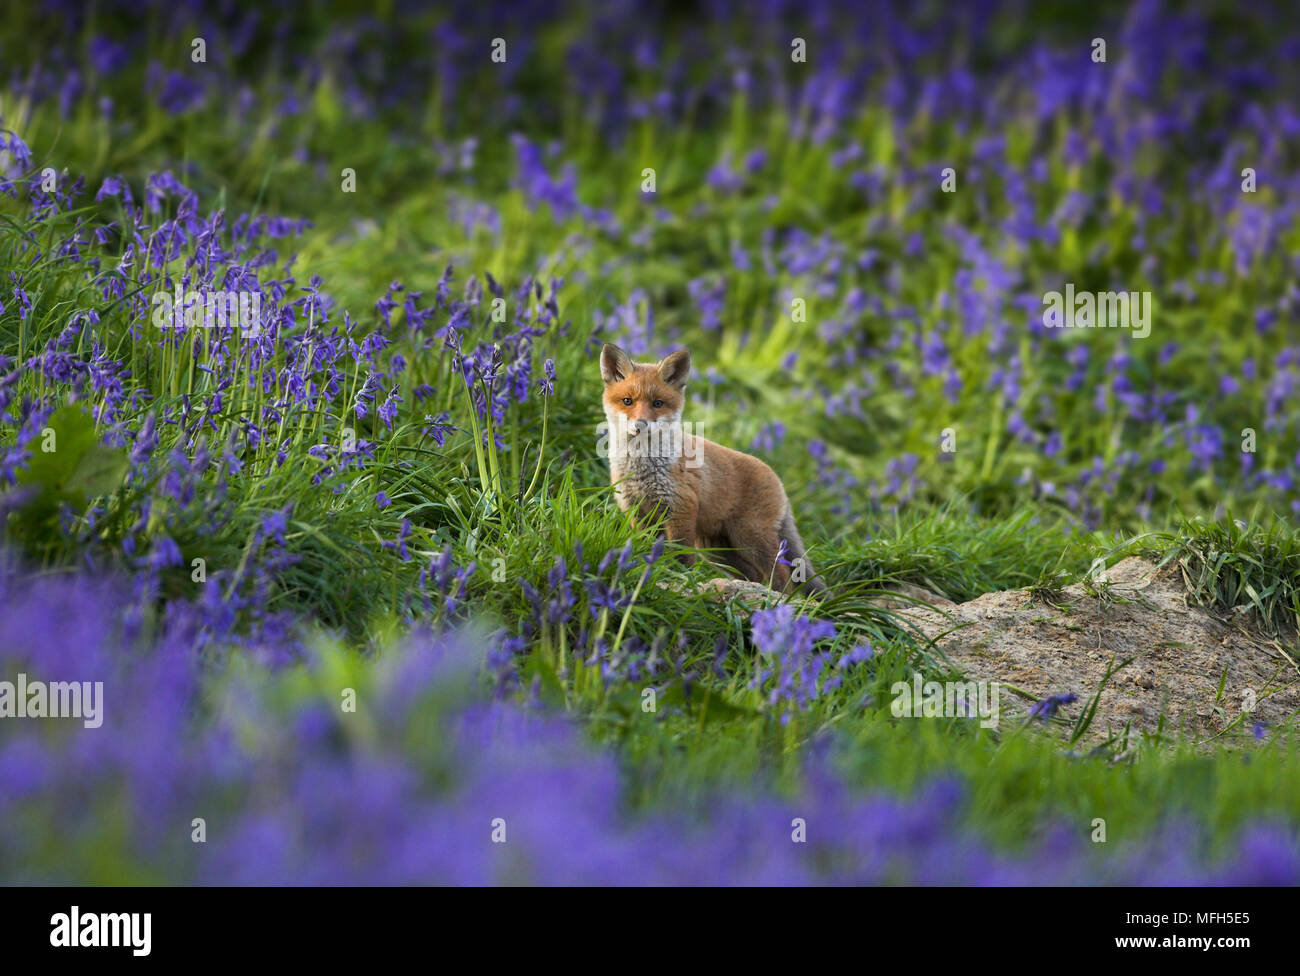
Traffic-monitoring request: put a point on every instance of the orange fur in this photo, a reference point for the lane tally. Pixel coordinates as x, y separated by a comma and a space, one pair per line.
707, 495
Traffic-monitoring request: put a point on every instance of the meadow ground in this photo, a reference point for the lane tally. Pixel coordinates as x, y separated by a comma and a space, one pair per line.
348, 566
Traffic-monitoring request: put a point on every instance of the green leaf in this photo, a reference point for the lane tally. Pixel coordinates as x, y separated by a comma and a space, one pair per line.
69, 465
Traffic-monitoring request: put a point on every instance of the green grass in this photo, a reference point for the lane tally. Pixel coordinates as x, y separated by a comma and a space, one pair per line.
972, 528
1230, 564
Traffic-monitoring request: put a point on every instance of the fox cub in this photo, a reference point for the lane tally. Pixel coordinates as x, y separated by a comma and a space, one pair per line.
709, 495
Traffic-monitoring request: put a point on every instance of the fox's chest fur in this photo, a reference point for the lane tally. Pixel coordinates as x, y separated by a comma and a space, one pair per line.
645, 479
649, 483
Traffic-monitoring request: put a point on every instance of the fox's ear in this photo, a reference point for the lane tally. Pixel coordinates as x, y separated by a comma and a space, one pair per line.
615, 364
675, 369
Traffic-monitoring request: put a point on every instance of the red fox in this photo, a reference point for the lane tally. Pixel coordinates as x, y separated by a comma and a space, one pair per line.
709, 495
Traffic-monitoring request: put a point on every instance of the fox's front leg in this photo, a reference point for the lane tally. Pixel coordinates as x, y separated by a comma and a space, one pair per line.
681, 527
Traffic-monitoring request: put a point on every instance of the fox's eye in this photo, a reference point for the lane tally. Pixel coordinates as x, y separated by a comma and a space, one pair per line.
657, 404
627, 401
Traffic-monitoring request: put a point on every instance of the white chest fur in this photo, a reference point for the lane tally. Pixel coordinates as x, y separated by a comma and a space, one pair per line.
640, 480
645, 467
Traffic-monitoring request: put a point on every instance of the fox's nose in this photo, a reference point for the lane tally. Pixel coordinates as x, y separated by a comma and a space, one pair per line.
639, 426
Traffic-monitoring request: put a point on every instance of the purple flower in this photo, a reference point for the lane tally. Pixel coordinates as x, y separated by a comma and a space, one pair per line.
1046, 708
388, 409
788, 644
165, 553
547, 384
399, 544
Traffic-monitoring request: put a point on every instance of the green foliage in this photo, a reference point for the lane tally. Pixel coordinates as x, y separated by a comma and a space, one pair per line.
514, 499
68, 467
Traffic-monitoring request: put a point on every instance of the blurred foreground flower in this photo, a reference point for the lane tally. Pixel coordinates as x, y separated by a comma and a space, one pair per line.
402, 770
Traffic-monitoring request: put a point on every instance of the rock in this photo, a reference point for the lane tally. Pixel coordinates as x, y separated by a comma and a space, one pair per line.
745, 590
912, 596
1050, 644
749, 596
